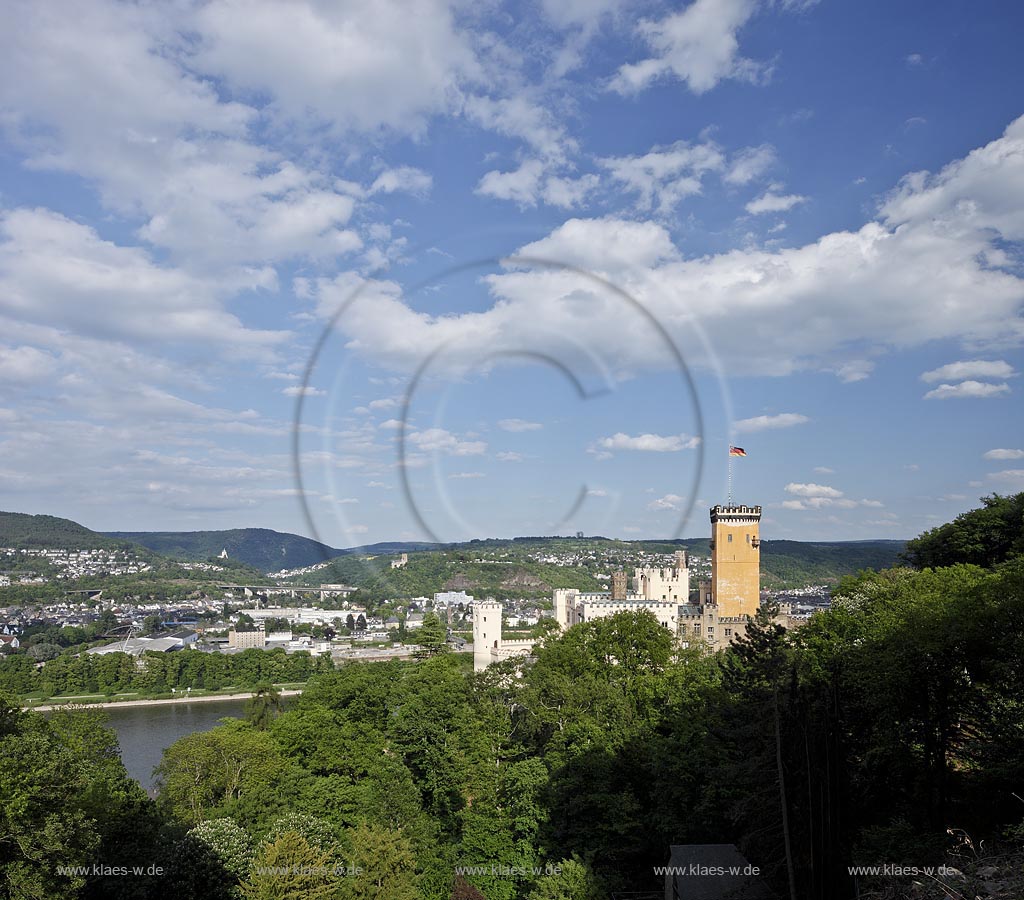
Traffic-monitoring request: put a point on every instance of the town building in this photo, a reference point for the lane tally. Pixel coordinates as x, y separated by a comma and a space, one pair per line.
165, 642
245, 638
447, 599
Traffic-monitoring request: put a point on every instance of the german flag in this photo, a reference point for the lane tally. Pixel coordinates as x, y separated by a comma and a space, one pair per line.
737, 451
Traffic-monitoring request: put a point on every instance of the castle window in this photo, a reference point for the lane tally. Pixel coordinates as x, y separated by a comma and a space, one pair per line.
728, 632
711, 632
696, 628
729, 538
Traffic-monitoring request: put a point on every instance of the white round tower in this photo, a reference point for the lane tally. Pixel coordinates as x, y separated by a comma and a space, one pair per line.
486, 632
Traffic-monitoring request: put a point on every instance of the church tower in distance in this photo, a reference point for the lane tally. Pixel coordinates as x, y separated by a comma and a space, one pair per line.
736, 559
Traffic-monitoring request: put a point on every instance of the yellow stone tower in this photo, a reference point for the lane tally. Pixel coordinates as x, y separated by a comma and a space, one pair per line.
736, 559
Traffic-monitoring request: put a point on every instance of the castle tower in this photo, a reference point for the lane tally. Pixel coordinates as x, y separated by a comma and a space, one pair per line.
619, 585
486, 632
562, 600
736, 559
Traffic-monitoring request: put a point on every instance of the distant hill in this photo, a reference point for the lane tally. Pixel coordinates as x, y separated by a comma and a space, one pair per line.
26, 532
783, 563
262, 548
518, 567
787, 563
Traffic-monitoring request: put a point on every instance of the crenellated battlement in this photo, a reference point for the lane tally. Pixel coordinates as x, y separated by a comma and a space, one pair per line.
735, 514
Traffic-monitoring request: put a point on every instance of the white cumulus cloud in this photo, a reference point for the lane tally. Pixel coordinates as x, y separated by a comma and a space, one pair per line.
762, 423
441, 440
669, 501
970, 368
771, 201
697, 45
812, 490
967, 389
516, 425
654, 443
1004, 454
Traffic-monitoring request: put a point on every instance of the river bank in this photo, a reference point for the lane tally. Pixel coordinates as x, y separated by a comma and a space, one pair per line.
124, 704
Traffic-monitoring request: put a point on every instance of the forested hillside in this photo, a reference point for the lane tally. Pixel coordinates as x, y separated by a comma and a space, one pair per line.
23, 531
261, 548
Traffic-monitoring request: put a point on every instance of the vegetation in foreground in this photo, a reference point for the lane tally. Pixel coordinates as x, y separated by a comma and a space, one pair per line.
869, 736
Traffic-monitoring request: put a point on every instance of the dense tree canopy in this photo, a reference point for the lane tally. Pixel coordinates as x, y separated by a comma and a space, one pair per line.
983, 537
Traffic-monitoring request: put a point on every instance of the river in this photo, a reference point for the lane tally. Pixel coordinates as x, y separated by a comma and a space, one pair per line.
144, 732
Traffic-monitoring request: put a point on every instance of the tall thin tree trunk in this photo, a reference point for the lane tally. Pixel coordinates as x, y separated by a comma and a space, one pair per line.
811, 833
782, 799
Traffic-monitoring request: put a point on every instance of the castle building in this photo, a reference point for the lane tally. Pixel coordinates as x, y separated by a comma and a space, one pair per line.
719, 615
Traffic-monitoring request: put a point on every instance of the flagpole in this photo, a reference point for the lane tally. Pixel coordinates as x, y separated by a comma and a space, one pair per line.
730, 478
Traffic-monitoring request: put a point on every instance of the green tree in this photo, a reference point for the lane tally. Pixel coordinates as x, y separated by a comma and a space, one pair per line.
65, 797
569, 880
318, 833
18, 674
208, 772
151, 624
232, 844
383, 865
985, 536
290, 869
264, 706
431, 635
42, 651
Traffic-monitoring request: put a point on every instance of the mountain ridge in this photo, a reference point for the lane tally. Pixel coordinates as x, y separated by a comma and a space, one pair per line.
270, 551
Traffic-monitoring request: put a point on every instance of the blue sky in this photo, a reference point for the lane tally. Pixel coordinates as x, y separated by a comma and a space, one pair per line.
556, 257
